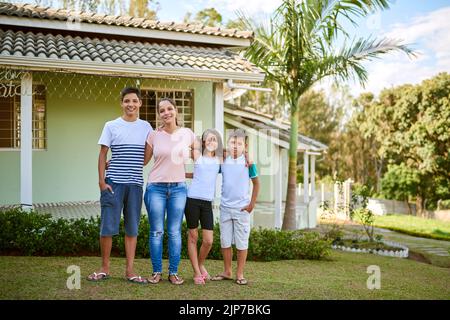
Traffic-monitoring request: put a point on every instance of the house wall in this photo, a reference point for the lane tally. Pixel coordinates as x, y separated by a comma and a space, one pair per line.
67, 169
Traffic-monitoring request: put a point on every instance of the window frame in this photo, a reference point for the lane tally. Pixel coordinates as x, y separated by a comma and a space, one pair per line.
16, 123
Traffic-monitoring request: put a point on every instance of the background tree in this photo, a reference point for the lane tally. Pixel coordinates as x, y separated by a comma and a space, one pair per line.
298, 48
209, 17
407, 128
400, 183
142, 9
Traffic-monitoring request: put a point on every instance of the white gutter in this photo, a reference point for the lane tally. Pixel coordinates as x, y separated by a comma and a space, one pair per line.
231, 85
107, 68
81, 27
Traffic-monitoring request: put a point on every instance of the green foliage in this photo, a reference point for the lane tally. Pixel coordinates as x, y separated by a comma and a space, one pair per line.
297, 49
400, 182
444, 204
360, 198
334, 233
400, 142
38, 234
366, 217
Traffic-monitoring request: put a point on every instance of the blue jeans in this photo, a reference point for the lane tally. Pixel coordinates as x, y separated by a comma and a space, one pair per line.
126, 197
159, 198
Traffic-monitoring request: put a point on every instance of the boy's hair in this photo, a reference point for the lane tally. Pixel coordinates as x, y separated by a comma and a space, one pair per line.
237, 133
129, 90
219, 150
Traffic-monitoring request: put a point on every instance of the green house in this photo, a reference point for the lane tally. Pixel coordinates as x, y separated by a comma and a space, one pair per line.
61, 73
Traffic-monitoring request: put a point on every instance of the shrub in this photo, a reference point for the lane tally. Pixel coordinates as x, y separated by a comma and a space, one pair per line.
38, 234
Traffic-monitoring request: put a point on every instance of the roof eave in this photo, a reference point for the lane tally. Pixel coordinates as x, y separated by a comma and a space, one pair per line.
92, 28
302, 147
105, 68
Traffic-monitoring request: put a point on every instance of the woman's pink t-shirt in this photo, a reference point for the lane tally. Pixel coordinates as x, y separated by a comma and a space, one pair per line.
170, 153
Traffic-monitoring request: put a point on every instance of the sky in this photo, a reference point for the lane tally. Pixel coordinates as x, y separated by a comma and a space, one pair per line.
423, 24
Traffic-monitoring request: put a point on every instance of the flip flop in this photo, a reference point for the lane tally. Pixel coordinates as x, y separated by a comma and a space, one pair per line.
98, 276
137, 279
199, 280
242, 281
220, 277
206, 276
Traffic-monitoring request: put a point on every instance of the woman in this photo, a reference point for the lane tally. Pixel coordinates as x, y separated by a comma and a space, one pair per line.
166, 189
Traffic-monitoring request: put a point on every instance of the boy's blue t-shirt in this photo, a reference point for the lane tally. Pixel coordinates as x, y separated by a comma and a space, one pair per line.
236, 182
127, 142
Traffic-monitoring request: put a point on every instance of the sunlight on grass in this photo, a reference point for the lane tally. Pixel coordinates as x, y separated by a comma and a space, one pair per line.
418, 226
343, 276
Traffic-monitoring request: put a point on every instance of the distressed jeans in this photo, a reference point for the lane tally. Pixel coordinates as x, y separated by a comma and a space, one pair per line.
160, 198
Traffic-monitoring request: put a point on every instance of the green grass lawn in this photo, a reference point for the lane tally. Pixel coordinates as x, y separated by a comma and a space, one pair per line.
416, 226
343, 276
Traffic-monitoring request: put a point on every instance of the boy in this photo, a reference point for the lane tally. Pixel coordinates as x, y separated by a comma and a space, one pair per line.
122, 186
236, 205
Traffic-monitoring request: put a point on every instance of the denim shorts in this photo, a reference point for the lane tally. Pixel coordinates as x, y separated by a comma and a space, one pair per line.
126, 197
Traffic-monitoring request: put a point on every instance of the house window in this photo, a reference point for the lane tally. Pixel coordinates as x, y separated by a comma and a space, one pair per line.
10, 120
183, 99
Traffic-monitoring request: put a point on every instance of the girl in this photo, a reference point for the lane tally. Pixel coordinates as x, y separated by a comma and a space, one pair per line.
199, 201
166, 189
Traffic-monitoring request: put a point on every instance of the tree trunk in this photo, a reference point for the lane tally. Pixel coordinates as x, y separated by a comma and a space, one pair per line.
420, 206
409, 207
289, 220
379, 170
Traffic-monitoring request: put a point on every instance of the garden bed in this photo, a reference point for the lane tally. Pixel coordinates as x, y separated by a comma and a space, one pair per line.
380, 247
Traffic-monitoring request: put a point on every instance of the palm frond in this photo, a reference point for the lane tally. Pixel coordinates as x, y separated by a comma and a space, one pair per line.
364, 49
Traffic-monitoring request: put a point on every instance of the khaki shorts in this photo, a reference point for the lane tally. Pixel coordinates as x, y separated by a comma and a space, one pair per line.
234, 228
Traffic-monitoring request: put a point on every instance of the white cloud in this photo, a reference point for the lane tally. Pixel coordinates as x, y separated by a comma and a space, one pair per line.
430, 36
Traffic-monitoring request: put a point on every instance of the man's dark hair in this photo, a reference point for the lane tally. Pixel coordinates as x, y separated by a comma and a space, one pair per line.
129, 90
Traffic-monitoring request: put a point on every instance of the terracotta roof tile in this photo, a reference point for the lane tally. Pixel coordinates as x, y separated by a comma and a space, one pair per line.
47, 46
34, 11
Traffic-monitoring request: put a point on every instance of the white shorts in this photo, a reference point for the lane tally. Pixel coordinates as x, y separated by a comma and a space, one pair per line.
234, 228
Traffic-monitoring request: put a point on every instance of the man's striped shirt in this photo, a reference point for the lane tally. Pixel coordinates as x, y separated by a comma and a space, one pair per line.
127, 142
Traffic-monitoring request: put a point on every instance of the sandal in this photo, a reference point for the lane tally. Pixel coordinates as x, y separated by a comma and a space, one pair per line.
177, 280
156, 278
206, 276
220, 277
137, 279
242, 281
98, 276
199, 280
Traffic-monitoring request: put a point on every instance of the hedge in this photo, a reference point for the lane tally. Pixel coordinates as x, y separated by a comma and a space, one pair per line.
32, 233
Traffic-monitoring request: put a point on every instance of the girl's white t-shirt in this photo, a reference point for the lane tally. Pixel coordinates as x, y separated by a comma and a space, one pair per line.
203, 184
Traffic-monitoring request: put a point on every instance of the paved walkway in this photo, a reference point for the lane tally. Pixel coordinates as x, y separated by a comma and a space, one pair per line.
432, 246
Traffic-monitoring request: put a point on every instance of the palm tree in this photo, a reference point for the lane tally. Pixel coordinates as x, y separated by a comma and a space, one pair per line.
297, 49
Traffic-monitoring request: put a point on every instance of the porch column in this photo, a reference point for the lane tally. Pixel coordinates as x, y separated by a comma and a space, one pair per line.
313, 218
278, 190
26, 142
219, 126
218, 108
306, 184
